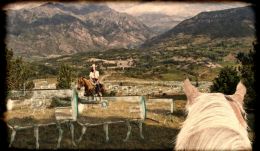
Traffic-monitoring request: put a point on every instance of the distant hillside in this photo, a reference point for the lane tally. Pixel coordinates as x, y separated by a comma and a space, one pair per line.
56, 28
159, 23
224, 24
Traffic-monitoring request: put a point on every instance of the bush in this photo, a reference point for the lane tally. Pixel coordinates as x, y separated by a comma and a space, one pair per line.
64, 78
247, 72
226, 81
29, 85
60, 102
18, 72
111, 93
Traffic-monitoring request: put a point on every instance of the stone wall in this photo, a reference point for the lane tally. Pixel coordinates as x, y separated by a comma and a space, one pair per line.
35, 99
128, 87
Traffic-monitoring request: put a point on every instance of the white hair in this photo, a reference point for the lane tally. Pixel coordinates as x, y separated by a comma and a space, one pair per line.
211, 124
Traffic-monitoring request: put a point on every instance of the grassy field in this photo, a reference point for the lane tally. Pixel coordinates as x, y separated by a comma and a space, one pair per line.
173, 75
157, 135
159, 129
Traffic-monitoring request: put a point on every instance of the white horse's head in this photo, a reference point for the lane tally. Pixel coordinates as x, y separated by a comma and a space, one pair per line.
215, 121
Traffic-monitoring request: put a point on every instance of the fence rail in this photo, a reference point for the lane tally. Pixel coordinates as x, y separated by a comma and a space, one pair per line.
73, 110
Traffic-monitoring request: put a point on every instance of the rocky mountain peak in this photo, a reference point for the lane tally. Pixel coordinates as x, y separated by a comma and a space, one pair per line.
65, 28
229, 23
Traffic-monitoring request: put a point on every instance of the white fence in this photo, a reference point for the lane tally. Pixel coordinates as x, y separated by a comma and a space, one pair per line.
42, 100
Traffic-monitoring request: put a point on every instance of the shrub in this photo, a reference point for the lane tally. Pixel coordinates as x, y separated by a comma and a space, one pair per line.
247, 72
226, 81
64, 78
18, 72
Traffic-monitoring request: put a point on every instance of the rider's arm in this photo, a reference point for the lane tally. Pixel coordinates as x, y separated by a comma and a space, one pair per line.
97, 74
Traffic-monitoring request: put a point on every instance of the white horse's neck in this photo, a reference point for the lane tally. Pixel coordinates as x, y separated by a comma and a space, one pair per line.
210, 112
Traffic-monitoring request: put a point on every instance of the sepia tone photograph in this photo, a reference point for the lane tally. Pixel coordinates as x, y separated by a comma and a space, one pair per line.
132, 75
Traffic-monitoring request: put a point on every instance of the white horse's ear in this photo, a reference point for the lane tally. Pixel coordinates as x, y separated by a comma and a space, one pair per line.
240, 93
190, 91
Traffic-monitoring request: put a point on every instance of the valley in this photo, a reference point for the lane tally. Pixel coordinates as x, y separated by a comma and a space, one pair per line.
141, 57
198, 47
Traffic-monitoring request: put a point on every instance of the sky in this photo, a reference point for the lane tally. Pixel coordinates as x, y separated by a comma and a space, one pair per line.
169, 8
172, 8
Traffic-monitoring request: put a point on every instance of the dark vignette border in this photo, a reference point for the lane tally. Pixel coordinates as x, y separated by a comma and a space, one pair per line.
3, 86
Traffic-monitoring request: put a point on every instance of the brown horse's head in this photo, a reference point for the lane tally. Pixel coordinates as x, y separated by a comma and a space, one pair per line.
83, 82
80, 83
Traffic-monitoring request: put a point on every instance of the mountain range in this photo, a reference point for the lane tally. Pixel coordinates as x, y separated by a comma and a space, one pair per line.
233, 23
57, 28
159, 22
65, 28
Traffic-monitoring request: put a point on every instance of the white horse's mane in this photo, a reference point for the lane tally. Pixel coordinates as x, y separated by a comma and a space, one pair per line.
211, 124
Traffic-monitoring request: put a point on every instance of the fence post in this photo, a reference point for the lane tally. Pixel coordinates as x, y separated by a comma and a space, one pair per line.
74, 104
60, 134
142, 108
12, 137
36, 135
105, 126
143, 115
128, 130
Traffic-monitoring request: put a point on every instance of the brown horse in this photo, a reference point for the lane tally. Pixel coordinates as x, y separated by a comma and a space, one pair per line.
90, 89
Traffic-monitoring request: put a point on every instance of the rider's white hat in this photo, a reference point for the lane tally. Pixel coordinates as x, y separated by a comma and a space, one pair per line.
93, 66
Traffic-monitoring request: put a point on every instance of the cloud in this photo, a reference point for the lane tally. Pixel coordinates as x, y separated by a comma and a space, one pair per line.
172, 8
178, 9
122, 6
21, 5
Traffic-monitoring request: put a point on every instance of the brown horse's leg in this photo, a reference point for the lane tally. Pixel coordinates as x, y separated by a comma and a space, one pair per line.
99, 96
85, 93
101, 91
92, 94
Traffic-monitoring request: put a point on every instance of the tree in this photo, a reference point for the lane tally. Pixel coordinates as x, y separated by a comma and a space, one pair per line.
64, 78
9, 56
226, 81
247, 73
228, 78
19, 73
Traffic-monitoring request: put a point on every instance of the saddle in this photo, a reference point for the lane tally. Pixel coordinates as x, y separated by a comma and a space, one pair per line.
96, 85
94, 81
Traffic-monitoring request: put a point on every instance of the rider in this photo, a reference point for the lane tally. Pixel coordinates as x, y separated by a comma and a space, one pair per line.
94, 75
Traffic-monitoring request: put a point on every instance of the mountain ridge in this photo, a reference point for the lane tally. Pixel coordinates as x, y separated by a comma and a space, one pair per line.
55, 28
234, 22
159, 22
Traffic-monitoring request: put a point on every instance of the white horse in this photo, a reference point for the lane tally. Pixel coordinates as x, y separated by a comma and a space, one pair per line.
214, 122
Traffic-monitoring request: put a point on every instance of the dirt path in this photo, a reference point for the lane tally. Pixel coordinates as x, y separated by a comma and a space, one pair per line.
107, 74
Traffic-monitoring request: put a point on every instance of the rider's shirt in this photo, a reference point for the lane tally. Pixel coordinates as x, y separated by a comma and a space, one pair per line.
94, 75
